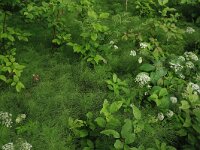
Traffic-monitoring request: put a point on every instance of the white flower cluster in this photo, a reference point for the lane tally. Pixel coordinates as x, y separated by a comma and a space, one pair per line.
176, 66
198, 77
190, 30
195, 87
20, 118
112, 43
140, 60
189, 64
169, 113
160, 116
6, 119
181, 76
8, 146
133, 53
25, 146
173, 99
191, 56
143, 45
115, 47
181, 58
22, 146
142, 78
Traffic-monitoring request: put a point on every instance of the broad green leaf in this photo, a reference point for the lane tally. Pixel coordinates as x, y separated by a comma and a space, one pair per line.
187, 122
101, 122
164, 102
83, 133
118, 144
94, 36
104, 15
126, 132
77, 48
139, 127
104, 110
163, 2
3, 78
89, 115
109, 132
114, 78
19, 86
97, 58
90, 143
163, 92
92, 14
184, 105
153, 97
147, 67
115, 106
136, 112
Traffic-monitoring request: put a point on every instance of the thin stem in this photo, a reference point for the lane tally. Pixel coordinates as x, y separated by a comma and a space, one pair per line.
126, 5
4, 29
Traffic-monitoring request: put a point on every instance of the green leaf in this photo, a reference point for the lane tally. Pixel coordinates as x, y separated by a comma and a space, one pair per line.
187, 122
109, 132
92, 14
163, 92
3, 78
114, 78
126, 132
83, 133
89, 115
147, 67
118, 144
101, 122
139, 127
97, 58
94, 36
184, 105
163, 2
90, 144
164, 103
19, 86
104, 15
115, 106
136, 112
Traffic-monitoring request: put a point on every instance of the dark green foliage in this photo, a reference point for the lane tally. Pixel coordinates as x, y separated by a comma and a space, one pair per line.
100, 74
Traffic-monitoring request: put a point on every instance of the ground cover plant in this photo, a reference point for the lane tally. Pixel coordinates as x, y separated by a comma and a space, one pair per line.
99, 75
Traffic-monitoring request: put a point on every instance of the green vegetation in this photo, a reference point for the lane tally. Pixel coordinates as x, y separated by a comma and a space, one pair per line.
99, 75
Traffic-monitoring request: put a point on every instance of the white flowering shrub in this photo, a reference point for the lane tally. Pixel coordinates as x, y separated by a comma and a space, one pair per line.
8, 146
6, 119
142, 79
133, 64
19, 145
